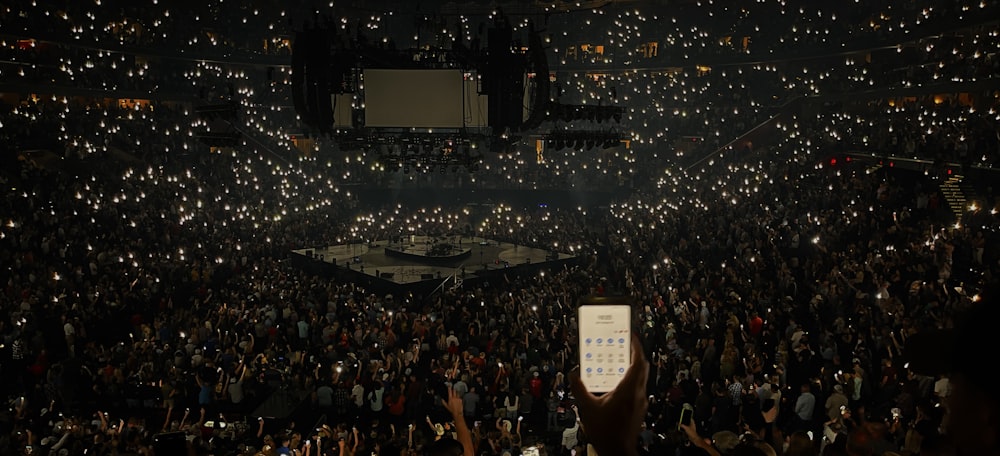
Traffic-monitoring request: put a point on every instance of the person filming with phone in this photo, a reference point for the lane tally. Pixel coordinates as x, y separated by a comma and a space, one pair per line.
611, 422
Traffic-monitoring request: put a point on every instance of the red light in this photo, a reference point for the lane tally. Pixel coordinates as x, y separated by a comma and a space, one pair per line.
847, 159
892, 164
833, 161
949, 172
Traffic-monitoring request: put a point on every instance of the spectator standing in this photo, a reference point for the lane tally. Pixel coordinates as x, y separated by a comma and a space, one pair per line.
357, 398
324, 396
736, 390
552, 411
569, 436
525, 403
470, 402
836, 403
805, 407
376, 398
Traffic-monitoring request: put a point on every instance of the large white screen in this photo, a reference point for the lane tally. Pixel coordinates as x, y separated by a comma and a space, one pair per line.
413, 98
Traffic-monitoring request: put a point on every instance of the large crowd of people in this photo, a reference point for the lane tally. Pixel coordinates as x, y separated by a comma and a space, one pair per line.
149, 307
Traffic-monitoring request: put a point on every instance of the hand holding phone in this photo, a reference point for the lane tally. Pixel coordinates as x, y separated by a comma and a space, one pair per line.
686, 412
619, 415
605, 328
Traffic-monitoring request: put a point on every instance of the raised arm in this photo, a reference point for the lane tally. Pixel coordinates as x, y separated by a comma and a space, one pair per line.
357, 440
613, 420
697, 440
103, 416
187, 412
166, 421
454, 405
61, 443
343, 447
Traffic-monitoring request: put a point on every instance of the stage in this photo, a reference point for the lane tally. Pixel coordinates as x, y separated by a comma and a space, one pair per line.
428, 260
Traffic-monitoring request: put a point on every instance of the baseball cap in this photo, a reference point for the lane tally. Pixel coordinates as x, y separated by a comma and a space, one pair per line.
954, 350
725, 440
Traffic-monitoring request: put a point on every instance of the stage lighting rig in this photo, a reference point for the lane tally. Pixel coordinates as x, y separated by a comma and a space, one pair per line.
345, 87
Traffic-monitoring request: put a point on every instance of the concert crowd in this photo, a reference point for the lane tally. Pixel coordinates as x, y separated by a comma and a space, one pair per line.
149, 305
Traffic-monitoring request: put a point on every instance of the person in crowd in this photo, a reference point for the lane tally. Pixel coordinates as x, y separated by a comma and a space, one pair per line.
461, 444
836, 404
805, 406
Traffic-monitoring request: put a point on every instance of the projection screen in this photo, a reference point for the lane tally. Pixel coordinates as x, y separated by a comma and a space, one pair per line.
397, 98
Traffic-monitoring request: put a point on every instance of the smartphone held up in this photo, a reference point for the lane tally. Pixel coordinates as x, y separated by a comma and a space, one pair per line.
686, 412
605, 329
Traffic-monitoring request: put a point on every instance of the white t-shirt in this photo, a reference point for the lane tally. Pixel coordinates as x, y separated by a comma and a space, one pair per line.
69, 329
375, 398
569, 436
358, 394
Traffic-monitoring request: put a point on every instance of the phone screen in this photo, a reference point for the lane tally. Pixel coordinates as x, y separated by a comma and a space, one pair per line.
686, 412
605, 342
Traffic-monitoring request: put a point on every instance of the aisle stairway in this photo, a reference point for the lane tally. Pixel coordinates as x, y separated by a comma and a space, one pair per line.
954, 193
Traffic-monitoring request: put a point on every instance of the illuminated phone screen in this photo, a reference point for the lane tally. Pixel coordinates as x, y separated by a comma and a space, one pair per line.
605, 344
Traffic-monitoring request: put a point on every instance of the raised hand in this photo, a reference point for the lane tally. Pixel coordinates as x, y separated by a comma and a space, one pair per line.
613, 420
